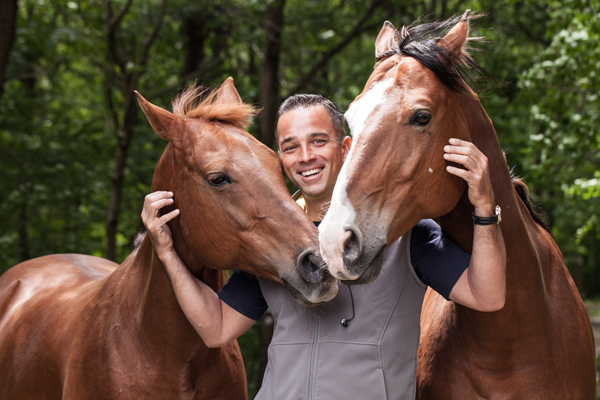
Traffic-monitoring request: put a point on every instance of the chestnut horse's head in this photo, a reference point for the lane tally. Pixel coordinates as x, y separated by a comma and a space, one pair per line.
395, 173
236, 211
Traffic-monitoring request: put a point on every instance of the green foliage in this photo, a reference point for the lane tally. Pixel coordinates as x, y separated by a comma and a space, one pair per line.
63, 102
562, 156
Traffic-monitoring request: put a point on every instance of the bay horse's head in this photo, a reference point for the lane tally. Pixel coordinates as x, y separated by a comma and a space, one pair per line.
236, 211
395, 173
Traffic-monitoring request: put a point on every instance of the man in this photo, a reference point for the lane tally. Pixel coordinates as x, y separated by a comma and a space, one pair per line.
363, 343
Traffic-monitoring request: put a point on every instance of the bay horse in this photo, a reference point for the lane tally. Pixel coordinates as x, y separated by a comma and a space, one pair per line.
80, 327
540, 345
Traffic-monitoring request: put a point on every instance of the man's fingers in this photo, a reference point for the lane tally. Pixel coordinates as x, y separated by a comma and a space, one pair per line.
158, 204
154, 196
169, 216
462, 173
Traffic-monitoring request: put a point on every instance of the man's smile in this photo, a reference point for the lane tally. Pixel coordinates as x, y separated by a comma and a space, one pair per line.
311, 172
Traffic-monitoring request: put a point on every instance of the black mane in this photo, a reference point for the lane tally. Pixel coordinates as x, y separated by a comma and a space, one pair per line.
421, 43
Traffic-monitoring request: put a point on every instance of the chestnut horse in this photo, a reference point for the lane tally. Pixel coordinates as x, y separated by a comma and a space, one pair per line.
540, 345
80, 327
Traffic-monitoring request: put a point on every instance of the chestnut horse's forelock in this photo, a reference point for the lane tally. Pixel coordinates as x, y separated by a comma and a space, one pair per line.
200, 102
421, 41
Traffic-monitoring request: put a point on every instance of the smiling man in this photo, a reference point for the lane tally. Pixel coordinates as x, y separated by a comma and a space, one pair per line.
312, 146
363, 343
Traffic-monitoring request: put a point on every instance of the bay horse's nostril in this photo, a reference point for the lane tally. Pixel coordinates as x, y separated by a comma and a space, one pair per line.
353, 246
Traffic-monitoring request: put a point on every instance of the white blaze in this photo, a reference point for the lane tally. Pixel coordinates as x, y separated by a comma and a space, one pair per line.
341, 212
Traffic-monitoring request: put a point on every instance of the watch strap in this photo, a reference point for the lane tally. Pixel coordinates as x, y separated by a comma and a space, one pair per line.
494, 219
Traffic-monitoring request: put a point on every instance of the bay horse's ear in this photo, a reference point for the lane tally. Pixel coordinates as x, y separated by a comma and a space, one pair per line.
387, 41
455, 39
228, 94
165, 124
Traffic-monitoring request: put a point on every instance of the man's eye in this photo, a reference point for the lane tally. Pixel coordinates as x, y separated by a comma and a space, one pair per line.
289, 148
421, 119
219, 180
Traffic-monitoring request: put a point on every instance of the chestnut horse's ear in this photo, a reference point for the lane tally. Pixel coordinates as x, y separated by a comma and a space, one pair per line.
387, 41
165, 124
228, 94
455, 39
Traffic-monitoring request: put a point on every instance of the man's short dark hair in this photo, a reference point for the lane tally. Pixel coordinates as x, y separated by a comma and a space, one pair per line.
314, 100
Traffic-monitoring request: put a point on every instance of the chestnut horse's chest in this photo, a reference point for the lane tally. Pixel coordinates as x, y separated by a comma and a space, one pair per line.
64, 336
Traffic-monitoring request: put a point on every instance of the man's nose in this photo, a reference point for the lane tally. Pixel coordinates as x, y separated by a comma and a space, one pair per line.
306, 154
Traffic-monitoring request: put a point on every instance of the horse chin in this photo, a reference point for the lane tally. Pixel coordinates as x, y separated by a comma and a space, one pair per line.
371, 271
314, 299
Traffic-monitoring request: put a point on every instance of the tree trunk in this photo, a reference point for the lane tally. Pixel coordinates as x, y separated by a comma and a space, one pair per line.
129, 80
116, 194
8, 28
194, 34
269, 72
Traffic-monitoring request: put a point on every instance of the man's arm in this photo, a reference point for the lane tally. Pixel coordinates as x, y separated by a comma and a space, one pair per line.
482, 286
215, 321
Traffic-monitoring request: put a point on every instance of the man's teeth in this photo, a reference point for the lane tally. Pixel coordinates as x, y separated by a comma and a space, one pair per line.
311, 172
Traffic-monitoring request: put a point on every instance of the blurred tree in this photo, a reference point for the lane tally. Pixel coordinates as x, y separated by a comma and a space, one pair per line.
563, 155
129, 60
8, 25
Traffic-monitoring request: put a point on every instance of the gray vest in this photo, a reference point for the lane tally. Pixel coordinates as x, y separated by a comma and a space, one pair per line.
312, 356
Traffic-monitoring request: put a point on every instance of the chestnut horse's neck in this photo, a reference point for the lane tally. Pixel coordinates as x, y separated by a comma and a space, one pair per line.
147, 299
520, 232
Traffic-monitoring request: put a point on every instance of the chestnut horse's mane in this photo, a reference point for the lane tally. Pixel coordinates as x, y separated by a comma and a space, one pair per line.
199, 102
421, 41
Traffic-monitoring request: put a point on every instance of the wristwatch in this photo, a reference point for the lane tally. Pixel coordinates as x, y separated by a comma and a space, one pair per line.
494, 219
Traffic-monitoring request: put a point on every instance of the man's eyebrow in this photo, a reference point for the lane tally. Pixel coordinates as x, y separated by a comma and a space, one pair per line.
319, 134
287, 140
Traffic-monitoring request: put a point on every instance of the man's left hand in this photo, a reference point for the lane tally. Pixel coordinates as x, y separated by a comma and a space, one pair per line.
477, 174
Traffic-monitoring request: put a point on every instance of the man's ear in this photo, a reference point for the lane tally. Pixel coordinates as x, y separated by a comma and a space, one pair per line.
387, 41
455, 39
346, 145
165, 124
228, 94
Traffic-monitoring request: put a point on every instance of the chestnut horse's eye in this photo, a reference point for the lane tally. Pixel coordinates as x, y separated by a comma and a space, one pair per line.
219, 180
421, 119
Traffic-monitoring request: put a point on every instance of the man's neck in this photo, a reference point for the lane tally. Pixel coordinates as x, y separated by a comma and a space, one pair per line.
316, 208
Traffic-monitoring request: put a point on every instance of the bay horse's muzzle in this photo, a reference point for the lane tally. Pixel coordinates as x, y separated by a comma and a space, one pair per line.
362, 261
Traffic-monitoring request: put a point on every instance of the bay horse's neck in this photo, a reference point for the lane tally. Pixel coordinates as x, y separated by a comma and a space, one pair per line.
523, 272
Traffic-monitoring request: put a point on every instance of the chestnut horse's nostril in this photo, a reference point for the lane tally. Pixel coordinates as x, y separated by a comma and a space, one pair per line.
353, 246
310, 267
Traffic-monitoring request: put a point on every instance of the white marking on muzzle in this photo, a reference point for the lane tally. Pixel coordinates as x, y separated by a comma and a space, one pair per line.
341, 211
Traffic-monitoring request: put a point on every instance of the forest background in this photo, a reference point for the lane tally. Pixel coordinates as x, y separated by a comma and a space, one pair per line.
77, 155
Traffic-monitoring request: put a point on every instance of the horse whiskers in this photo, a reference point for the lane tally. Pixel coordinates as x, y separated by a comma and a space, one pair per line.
324, 209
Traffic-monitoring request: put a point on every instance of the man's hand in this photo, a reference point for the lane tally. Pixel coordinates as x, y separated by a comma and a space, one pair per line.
156, 224
476, 174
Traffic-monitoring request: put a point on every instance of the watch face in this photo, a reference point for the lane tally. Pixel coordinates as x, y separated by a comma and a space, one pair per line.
499, 214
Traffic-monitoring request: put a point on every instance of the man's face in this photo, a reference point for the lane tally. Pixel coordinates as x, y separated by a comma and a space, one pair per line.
309, 151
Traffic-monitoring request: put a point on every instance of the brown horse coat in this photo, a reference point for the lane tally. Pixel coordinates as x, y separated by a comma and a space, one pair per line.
540, 345
80, 327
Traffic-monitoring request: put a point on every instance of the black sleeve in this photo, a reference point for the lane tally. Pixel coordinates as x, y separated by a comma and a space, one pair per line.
437, 260
242, 293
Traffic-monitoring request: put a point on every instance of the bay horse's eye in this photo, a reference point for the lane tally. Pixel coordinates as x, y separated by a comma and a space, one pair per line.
421, 119
219, 180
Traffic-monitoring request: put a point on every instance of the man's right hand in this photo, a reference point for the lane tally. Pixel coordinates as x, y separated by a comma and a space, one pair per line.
156, 223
